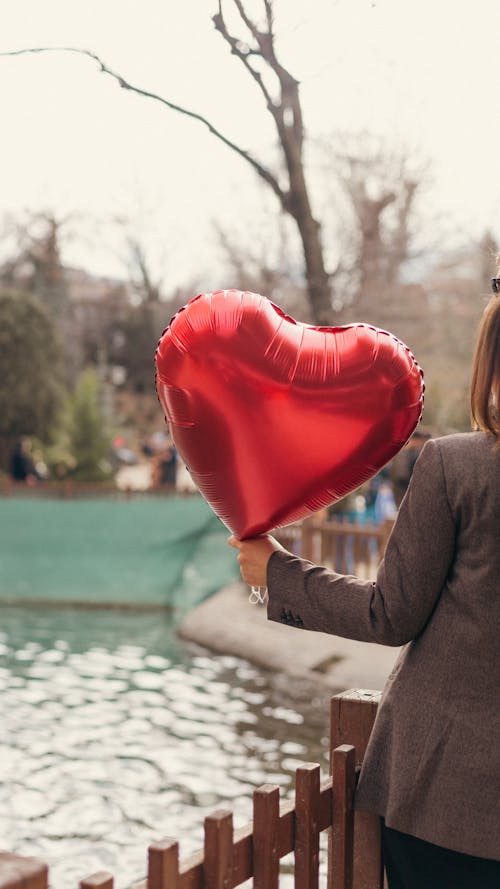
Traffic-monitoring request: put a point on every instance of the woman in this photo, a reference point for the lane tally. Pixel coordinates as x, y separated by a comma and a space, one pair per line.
432, 769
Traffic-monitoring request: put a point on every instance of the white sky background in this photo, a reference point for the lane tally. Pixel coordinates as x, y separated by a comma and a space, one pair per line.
424, 73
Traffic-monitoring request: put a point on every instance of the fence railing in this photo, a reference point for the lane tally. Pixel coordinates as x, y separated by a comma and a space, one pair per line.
231, 857
348, 547
68, 489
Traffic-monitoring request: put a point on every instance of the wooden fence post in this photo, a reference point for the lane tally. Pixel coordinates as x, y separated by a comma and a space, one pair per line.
307, 790
163, 865
340, 871
266, 852
307, 543
99, 880
17, 872
218, 850
352, 716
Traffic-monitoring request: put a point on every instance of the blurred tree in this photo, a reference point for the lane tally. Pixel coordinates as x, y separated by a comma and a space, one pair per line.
30, 370
35, 266
138, 330
367, 194
262, 259
134, 349
89, 442
146, 285
374, 190
381, 195
99, 311
255, 48
457, 288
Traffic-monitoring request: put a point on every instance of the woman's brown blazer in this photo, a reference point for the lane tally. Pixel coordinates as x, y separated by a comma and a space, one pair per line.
432, 768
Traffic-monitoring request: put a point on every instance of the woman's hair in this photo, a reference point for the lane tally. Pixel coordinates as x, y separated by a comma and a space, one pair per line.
485, 382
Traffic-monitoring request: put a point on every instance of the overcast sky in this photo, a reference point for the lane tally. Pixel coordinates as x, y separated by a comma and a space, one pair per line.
424, 74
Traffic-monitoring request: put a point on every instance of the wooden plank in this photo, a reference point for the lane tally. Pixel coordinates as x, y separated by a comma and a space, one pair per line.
19, 872
344, 782
308, 535
323, 548
325, 805
329, 541
266, 851
163, 865
307, 806
356, 550
242, 854
191, 869
99, 880
218, 850
191, 872
347, 552
286, 829
352, 716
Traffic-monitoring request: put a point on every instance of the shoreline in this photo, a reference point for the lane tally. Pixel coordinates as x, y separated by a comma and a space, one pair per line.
228, 624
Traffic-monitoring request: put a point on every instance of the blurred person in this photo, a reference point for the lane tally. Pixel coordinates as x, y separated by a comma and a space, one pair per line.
165, 465
432, 766
401, 466
147, 448
379, 496
385, 505
21, 464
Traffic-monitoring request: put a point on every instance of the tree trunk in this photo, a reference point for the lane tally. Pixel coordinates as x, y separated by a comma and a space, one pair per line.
318, 281
298, 205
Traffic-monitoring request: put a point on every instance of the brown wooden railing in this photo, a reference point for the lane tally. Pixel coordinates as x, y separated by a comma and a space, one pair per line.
348, 547
230, 858
68, 489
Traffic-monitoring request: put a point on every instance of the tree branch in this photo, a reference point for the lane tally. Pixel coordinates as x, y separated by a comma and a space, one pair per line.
262, 171
250, 25
220, 26
269, 15
288, 98
265, 39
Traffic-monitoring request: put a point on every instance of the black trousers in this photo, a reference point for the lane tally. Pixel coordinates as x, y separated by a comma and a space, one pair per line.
411, 863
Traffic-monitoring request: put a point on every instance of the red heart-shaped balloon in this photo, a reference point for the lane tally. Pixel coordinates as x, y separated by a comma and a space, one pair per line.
276, 419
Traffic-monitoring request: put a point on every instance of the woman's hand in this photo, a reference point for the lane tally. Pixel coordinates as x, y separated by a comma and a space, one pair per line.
253, 557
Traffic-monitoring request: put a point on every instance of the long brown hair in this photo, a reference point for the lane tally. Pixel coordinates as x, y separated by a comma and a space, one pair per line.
485, 382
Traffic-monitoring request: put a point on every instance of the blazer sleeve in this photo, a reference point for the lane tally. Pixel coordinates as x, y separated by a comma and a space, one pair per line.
395, 607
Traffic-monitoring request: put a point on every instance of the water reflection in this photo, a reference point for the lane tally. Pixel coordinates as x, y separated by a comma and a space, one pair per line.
115, 733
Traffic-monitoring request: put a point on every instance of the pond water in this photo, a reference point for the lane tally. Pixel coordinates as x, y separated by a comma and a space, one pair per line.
114, 733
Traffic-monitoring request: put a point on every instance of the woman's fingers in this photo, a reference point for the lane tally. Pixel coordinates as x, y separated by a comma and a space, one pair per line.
253, 557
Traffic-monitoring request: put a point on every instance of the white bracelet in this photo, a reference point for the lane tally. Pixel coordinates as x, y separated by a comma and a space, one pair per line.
256, 597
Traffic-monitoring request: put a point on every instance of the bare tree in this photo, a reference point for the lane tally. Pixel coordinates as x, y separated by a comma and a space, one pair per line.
383, 247
145, 283
263, 256
374, 190
36, 266
256, 51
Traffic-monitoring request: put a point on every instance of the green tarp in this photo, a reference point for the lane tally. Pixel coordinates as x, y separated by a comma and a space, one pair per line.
147, 551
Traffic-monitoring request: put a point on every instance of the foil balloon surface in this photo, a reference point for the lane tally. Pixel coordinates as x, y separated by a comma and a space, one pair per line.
276, 419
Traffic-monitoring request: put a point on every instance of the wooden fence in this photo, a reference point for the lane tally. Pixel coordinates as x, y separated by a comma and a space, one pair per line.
68, 489
231, 857
348, 547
